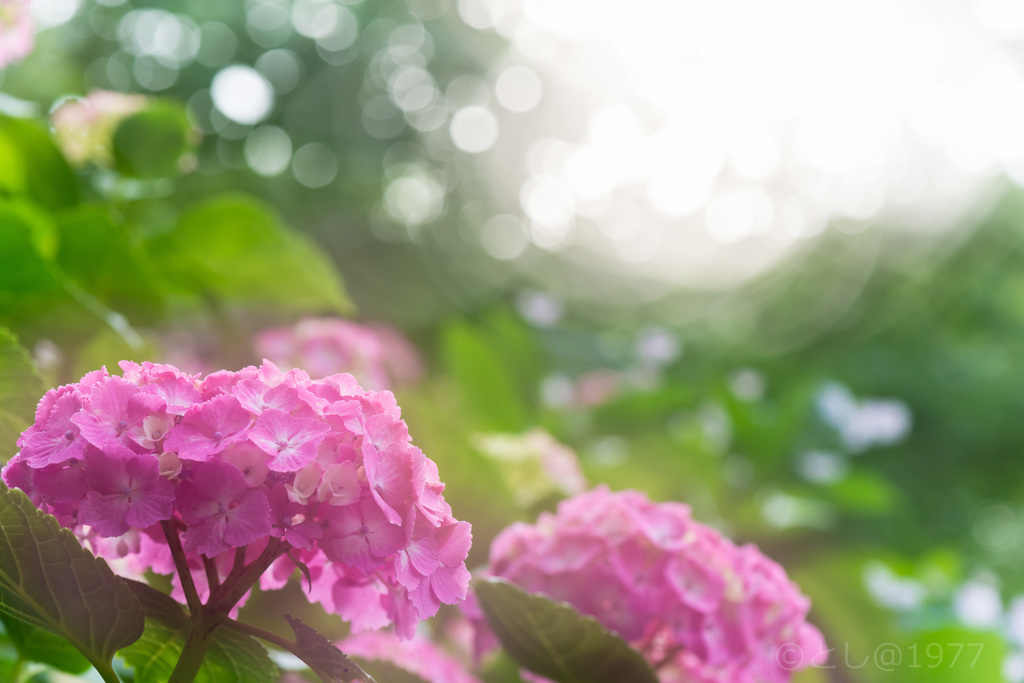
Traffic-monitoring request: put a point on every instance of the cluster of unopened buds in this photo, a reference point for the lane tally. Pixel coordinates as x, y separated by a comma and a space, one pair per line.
244, 476
699, 608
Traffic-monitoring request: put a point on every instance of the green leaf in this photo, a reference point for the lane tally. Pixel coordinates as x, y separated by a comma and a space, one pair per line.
37, 645
865, 492
327, 661
555, 641
12, 168
488, 387
36, 297
49, 581
951, 655
235, 248
232, 657
150, 143
20, 391
30, 282
99, 255
48, 179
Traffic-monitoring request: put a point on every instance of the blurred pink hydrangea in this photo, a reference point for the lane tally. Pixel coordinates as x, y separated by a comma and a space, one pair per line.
699, 608
85, 126
260, 459
376, 354
17, 31
418, 656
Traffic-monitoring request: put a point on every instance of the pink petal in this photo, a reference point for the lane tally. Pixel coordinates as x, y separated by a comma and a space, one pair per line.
104, 513
208, 428
390, 475
291, 440
454, 541
249, 521
450, 584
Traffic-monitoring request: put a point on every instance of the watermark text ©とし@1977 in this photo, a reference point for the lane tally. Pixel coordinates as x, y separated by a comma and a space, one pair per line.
885, 657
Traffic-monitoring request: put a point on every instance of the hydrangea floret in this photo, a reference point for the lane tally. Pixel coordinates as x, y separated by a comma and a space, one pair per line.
699, 608
239, 477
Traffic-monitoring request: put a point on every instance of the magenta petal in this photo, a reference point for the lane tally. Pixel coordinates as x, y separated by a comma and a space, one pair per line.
43, 448
105, 514
293, 441
454, 541
384, 431
178, 394
303, 534
385, 539
58, 440
212, 486
450, 584
423, 555
206, 537
208, 429
249, 521
696, 585
152, 499
361, 605
257, 396
390, 476
424, 600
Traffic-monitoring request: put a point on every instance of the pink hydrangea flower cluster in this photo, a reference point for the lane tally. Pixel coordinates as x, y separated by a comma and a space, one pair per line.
418, 656
319, 472
17, 31
375, 354
699, 608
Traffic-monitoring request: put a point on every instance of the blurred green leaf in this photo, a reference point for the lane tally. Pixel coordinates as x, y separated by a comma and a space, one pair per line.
149, 144
100, 256
21, 387
49, 581
233, 247
864, 492
950, 655
48, 179
233, 657
489, 388
37, 645
556, 641
30, 283
12, 168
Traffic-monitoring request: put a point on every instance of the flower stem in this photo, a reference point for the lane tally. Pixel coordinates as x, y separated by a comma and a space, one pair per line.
106, 672
212, 574
181, 565
190, 661
231, 591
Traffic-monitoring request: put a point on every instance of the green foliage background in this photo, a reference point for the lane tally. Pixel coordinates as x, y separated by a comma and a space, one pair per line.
127, 262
